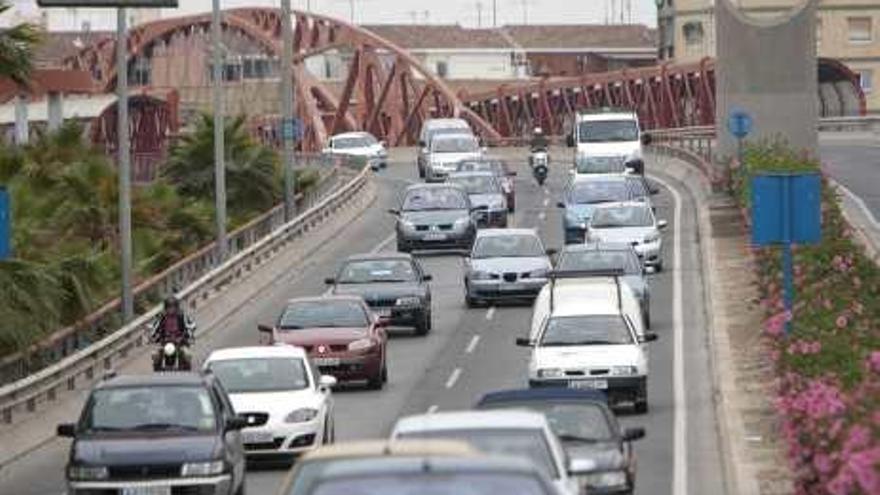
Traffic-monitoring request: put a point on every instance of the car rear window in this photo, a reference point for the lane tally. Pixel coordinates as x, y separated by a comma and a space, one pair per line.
595, 260
622, 216
456, 144
598, 191
323, 314
476, 184
569, 420
442, 483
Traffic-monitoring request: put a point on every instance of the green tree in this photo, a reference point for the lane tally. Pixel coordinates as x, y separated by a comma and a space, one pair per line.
17, 49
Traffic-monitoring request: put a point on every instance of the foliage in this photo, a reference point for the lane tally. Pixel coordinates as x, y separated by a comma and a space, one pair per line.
828, 395
17, 49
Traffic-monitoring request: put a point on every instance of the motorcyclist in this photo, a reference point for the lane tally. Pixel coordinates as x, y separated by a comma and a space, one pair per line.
174, 326
539, 141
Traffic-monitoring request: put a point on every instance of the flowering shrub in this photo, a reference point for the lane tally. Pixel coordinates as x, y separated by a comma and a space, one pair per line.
828, 368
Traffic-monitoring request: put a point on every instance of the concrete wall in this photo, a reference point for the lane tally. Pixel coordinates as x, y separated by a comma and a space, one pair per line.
764, 69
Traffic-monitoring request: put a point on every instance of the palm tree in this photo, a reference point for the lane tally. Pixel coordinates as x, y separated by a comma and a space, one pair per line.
17, 49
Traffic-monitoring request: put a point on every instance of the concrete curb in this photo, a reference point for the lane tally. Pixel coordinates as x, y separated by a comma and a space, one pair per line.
856, 213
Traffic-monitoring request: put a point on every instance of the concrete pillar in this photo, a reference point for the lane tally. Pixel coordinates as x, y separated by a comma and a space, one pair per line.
22, 132
767, 68
55, 113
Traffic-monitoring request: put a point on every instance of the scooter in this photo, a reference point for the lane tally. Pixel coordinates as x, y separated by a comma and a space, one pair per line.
540, 162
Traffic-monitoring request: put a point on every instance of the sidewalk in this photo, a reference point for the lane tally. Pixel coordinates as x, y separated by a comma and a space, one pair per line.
754, 458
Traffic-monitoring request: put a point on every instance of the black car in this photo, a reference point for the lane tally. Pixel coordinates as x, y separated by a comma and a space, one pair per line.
394, 286
171, 433
587, 428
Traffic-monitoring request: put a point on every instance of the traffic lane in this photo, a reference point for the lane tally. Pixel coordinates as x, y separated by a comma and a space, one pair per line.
856, 167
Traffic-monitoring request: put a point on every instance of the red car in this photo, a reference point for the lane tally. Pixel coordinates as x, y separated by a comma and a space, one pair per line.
342, 337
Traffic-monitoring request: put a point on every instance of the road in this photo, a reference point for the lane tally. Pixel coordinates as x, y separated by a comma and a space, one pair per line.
471, 352
856, 166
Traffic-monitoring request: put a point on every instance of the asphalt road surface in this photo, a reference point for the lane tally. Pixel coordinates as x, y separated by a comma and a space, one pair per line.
856, 166
471, 352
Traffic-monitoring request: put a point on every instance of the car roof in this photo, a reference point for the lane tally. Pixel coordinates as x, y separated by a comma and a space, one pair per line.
596, 246
155, 379
454, 135
261, 352
428, 464
352, 134
506, 232
543, 395
326, 298
379, 256
392, 448
606, 114
483, 420
447, 122
581, 178
471, 173
440, 185
619, 204
584, 296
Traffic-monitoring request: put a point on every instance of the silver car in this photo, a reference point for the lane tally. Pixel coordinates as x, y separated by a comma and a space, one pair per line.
632, 223
484, 189
435, 216
505, 264
601, 258
446, 151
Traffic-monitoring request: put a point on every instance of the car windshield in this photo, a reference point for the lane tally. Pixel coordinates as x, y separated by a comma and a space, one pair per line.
440, 131
372, 271
435, 198
595, 260
519, 442
586, 164
476, 184
150, 408
323, 314
427, 483
507, 246
456, 144
353, 142
622, 216
570, 420
586, 330
598, 191
600, 131
260, 374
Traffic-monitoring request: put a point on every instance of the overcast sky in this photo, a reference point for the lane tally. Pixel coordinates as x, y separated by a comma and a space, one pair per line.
444, 11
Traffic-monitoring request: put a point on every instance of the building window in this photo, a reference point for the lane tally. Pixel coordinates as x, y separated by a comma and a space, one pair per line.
693, 33
866, 80
442, 68
139, 72
859, 29
256, 68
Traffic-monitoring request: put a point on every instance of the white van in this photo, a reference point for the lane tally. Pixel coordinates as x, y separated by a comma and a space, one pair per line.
434, 127
610, 134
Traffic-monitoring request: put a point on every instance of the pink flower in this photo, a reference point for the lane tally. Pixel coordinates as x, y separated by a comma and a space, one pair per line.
775, 325
874, 361
841, 321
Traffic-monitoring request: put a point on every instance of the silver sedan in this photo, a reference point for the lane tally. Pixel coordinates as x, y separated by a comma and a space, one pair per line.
505, 264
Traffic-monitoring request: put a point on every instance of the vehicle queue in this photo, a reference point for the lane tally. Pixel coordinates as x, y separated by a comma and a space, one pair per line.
181, 433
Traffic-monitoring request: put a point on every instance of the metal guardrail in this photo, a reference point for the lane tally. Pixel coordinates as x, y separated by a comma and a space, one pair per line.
106, 319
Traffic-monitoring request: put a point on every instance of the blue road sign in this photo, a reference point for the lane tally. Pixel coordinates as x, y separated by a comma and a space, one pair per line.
5, 225
739, 123
786, 208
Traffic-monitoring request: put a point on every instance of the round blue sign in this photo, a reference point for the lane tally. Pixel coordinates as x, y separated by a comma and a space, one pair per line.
739, 123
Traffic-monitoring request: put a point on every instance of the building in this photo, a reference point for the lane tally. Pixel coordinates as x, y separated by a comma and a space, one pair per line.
846, 30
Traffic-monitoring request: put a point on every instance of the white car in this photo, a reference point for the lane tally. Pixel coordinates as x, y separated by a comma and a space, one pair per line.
435, 127
446, 151
280, 382
511, 433
630, 222
608, 132
359, 144
589, 334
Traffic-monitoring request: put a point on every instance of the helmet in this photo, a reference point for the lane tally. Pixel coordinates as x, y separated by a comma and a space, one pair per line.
172, 302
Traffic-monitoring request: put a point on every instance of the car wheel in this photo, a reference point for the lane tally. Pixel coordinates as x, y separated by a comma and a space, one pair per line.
642, 400
241, 489
421, 172
647, 319
424, 326
659, 266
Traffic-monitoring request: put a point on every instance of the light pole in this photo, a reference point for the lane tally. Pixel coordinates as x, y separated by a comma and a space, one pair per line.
124, 171
219, 137
287, 131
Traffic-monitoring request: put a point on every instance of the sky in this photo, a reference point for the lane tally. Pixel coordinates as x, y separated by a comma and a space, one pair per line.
463, 12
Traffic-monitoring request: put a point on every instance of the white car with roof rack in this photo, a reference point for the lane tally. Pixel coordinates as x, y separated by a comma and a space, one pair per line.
589, 333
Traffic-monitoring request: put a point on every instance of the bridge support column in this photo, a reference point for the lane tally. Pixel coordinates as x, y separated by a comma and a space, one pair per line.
22, 130
769, 69
55, 111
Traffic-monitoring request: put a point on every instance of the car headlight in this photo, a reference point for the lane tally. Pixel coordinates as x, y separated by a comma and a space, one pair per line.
624, 370
407, 224
606, 479
480, 275
408, 301
301, 415
88, 473
652, 237
361, 344
497, 204
551, 373
211, 468
462, 222
382, 154
539, 273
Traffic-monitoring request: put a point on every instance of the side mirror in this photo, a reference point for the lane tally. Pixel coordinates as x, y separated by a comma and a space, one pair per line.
569, 140
394, 212
647, 139
661, 224
560, 205
327, 382
427, 277
633, 434
580, 467
265, 328
329, 281
648, 337
66, 430
551, 251
524, 342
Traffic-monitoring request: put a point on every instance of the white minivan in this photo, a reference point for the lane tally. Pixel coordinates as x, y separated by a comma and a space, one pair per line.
610, 134
435, 127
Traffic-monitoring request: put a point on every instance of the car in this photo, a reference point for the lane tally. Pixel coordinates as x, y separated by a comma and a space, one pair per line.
500, 169
485, 192
587, 428
631, 223
359, 144
394, 285
429, 474
522, 434
600, 258
164, 432
436, 127
446, 150
279, 383
435, 216
588, 334
585, 194
505, 264
610, 132
308, 468
341, 335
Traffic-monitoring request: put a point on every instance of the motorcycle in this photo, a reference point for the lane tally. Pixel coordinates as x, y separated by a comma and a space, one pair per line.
540, 162
172, 359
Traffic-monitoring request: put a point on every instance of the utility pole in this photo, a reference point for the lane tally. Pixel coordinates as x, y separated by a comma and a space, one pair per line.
287, 111
479, 14
124, 171
495, 13
219, 136
525, 4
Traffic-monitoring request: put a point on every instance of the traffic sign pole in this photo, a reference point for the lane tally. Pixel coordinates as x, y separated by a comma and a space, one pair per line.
787, 269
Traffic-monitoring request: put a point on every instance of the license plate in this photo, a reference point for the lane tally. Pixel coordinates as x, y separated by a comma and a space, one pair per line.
435, 237
326, 361
147, 490
589, 384
256, 437
508, 287
383, 311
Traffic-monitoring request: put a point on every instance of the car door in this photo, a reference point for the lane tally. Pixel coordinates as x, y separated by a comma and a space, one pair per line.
232, 442
328, 403
423, 284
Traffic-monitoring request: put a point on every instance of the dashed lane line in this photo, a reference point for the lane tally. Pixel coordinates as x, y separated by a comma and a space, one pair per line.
453, 378
433, 409
472, 345
490, 313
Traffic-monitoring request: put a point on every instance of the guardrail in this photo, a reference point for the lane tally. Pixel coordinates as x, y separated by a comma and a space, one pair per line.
106, 319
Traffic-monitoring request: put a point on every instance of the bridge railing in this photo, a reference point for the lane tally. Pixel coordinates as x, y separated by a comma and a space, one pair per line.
70, 341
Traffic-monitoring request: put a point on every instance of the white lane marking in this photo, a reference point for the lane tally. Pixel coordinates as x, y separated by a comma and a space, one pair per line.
679, 470
858, 201
385, 242
542, 216
472, 344
546, 201
433, 409
490, 313
453, 378
546, 191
